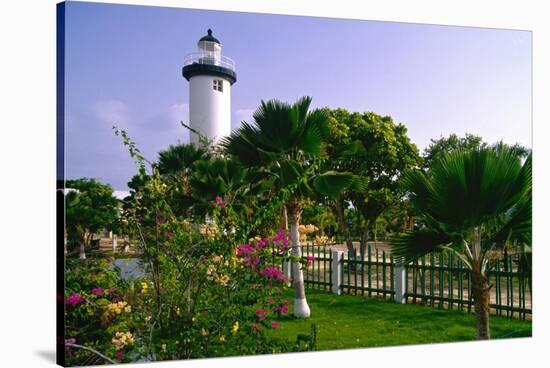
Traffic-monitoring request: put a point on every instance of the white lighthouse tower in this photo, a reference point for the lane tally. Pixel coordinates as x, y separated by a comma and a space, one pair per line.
210, 76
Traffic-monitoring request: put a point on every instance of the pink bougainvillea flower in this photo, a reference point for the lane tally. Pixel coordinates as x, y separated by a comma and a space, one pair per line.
218, 201
275, 324
280, 235
244, 250
260, 244
97, 291
74, 299
273, 274
284, 308
260, 312
119, 355
285, 243
310, 259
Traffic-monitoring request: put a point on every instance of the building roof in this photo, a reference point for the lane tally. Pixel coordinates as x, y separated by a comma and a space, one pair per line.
210, 38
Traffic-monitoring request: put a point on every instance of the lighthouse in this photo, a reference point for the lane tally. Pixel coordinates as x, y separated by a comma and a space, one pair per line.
210, 75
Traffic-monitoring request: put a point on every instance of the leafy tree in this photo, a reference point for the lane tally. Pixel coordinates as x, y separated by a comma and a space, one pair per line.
445, 145
376, 149
90, 207
286, 142
472, 203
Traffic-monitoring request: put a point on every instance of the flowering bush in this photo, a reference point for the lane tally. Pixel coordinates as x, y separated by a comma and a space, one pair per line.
96, 316
305, 230
206, 290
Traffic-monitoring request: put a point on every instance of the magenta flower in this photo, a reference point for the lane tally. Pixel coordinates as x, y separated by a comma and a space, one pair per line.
260, 244
309, 259
244, 250
285, 244
74, 299
251, 261
275, 324
273, 274
97, 291
119, 355
284, 308
70, 340
260, 312
280, 235
218, 201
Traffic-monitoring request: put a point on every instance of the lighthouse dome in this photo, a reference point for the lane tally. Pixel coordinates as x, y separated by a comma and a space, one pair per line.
209, 38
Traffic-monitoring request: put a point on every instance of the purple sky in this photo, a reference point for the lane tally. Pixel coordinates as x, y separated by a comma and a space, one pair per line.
123, 67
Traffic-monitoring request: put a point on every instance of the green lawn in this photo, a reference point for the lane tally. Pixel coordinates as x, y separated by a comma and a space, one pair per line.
345, 321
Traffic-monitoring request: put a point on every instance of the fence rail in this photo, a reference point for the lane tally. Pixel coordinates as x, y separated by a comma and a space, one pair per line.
437, 280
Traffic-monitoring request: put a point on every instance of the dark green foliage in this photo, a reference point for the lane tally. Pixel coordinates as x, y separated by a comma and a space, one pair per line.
90, 207
179, 158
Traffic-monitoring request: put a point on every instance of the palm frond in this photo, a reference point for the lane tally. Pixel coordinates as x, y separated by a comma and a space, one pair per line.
412, 245
332, 183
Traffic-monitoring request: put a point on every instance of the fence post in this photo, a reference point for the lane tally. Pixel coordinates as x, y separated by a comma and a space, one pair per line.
400, 291
114, 242
336, 277
287, 269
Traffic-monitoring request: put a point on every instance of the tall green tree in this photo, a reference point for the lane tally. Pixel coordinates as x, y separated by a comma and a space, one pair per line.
379, 152
442, 146
285, 142
89, 207
472, 203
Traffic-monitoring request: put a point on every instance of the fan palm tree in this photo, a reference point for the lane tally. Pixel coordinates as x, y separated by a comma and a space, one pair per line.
285, 142
472, 202
225, 178
178, 158
175, 165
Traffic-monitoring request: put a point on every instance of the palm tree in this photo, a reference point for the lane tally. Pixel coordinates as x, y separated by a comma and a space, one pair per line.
286, 143
222, 177
472, 202
178, 158
175, 164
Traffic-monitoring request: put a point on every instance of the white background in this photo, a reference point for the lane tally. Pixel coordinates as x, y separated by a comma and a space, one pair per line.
27, 180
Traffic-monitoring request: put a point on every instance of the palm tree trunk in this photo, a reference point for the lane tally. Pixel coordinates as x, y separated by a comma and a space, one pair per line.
82, 243
343, 224
301, 308
82, 253
480, 290
285, 214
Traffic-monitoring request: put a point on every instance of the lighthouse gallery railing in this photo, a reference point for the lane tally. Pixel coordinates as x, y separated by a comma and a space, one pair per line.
210, 59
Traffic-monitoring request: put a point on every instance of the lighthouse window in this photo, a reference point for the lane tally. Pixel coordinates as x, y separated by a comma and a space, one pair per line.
218, 85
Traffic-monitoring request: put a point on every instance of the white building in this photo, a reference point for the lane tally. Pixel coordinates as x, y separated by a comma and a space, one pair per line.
210, 76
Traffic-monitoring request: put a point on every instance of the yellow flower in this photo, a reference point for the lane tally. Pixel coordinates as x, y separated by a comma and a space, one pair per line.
222, 279
203, 332
222, 338
235, 328
122, 339
144, 287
